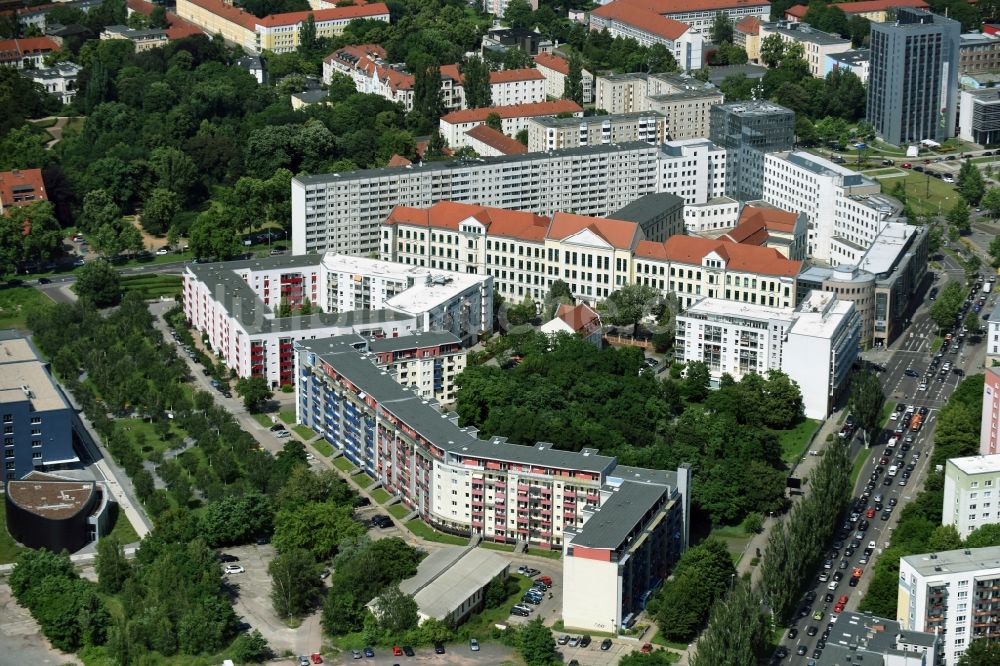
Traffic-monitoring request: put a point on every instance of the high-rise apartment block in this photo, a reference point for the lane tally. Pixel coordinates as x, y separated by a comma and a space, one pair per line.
913, 77
550, 133
343, 212
989, 437
683, 100
747, 131
971, 493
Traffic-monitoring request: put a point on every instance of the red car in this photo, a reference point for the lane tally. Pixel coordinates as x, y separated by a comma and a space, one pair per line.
870, 513
397, 651
316, 659
906, 165
646, 648
545, 579
838, 609
857, 572
842, 600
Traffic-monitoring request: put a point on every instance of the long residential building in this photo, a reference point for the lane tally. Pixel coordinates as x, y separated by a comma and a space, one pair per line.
683, 100
633, 20
955, 594
699, 14
621, 528
695, 170
237, 305
36, 417
549, 133
815, 345
989, 432
555, 69
343, 212
846, 210
277, 32
993, 336
971, 493
525, 253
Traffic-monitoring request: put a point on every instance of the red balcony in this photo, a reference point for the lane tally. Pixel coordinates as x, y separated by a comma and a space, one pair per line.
593, 497
500, 499
569, 494
477, 523
477, 502
522, 487
546, 501
547, 513
546, 491
546, 534
477, 485
501, 485
522, 496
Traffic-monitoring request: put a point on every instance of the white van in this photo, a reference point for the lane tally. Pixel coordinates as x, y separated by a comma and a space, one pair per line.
892, 471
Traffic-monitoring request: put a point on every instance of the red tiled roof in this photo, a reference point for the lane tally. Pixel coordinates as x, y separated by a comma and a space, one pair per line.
398, 161
532, 109
498, 140
879, 5
332, 14
619, 234
643, 17
22, 187
511, 75
648, 249
757, 223
359, 51
228, 12
177, 28
580, 318
452, 72
747, 258
15, 49
748, 26
551, 61
796, 12
498, 221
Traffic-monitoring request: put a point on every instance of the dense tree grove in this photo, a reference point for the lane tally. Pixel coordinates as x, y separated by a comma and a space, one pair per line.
919, 529
701, 577
570, 394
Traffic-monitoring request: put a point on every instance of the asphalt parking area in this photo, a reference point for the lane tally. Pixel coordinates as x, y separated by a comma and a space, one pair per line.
593, 655
457, 654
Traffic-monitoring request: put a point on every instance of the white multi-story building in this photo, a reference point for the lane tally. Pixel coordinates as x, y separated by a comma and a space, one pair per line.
555, 69
971, 493
815, 345
59, 80
693, 169
513, 119
624, 19
620, 528
820, 349
237, 304
549, 133
993, 335
845, 209
682, 99
343, 212
698, 14
989, 432
816, 44
955, 594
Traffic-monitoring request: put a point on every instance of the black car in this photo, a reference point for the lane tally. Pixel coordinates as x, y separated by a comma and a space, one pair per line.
519, 611
812, 631
886, 515
792, 633
781, 652
910, 372
226, 557
854, 581
801, 650
439, 648
585, 641
407, 650
606, 644
381, 521
817, 653
362, 501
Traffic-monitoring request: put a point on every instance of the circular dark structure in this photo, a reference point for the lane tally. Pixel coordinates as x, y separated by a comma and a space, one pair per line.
52, 512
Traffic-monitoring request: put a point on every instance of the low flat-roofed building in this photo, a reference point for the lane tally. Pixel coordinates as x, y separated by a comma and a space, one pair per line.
861, 639
979, 116
852, 60
145, 39
57, 512
450, 583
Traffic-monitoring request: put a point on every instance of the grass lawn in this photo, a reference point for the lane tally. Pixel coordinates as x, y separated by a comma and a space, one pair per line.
659, 639
936, 343
15, 302
887, 408
152, 286
152, 440
263, 419
883, 172
545, 552
303, 432
506, 547
426, 532
794, 441
323, 447
364, 480
123, 530
735, 538
380, 495
926, 195
398, 510
8, 547
287, 415
480, 625
859, 464
343, 464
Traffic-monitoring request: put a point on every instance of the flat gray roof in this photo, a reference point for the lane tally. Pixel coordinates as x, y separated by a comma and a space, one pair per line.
553, 121
463, 163
875, 634
964, 560
415, 341
995, 315
618, 516
647, 207
803, 32
851, 56
719, 74
448, 577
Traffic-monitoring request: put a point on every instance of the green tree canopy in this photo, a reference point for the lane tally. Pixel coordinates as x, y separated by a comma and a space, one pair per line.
99, 283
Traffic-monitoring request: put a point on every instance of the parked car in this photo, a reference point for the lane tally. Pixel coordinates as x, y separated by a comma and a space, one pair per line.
381, 521
370, 653
408, 651
606, 644
439, 648
519, 611
226, 557
585, 641
234, 569
474, 645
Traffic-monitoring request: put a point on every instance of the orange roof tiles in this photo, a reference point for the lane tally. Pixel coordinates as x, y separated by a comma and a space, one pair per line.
21, 187
747, 258
642, 17
748, 26
452, 72
359, 51
332, 14
879, 6
228, 12
498, 140
14, 49
796, 12
511, 75
618, 233
773, 218
549, 108
177, 28
580, 318
498, 221
398, 161
553, 62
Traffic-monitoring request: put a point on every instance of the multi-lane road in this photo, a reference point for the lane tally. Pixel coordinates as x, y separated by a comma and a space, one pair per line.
877, 499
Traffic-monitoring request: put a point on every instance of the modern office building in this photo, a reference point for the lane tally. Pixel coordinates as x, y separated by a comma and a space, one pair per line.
343, 212
860, 639
989, 432
979, 116
882, 285
955, 594
856, 61
913, 78
747, 131
971, 493
551, 133
845, 210
816, 44
503, 492
237, 305
36, 417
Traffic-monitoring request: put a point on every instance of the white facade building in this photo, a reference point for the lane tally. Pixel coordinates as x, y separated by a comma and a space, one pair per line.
971, 493
816, 44
549, 133
513, 119
649, 28
235, 305
955, 593
993, 335
845, 209
343, 212
59, 80
555, 69
693, 169
820, 349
